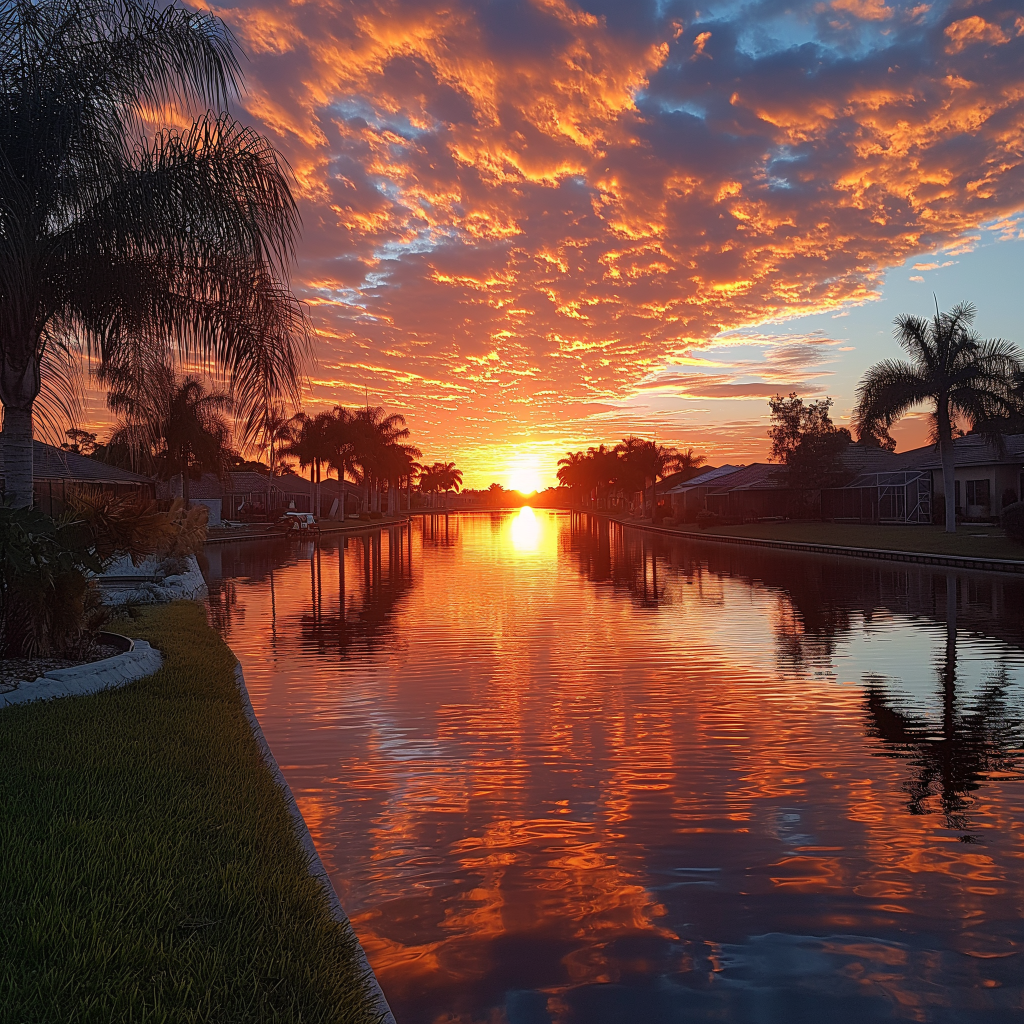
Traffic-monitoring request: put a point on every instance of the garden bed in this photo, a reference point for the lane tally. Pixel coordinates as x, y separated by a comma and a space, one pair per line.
14, 671
149, 869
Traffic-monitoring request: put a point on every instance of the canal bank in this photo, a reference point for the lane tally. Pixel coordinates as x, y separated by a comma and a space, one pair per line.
348, 526
976, 563
152, 866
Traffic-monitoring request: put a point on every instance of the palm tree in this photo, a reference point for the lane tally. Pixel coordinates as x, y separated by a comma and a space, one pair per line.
344, 454
312, 445
120, 239
175, 428
378, 432
952, 370
449, 478
651, 461
278, 431
572, 471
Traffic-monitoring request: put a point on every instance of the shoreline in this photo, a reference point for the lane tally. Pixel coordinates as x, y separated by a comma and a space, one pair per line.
1006, 566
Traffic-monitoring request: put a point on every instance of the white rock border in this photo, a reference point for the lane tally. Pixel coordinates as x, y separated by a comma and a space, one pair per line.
316, 865
142, 660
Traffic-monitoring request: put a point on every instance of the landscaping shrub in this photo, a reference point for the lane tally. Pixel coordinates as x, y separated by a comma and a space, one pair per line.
47, 605
1009, 497
706, 519
1012, 521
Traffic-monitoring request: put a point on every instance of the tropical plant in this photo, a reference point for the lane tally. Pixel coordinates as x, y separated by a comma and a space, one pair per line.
123, 239
650, 461
173, 425
47, 605
951, 370
276, 431
1012, 521
379, 441
312, 445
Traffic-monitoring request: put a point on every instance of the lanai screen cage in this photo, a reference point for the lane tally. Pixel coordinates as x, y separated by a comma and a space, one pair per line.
904, 497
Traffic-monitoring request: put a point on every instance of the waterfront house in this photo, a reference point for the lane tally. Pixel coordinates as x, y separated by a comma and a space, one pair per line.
688, 498
56, 472
762, 491
988, 473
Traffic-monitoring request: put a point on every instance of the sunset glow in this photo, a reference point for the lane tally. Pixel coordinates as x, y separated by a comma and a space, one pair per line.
570, 221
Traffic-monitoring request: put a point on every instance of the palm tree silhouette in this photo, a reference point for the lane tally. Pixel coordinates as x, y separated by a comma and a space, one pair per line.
651, 461
949, 368
313, 446
968, 744
277, 430
173, 425
121, 240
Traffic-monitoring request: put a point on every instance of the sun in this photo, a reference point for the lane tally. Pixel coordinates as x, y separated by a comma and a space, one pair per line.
524, 478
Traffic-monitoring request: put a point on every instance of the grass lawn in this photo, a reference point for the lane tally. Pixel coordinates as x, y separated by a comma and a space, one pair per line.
979, 541
149, 871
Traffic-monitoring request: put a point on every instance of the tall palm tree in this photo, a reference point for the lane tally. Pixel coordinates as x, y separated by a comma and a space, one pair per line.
312, 446
277, 430
378, 431
176, 427
121, 239
951, 370
344, 453
652, 461
571, 472
449, 478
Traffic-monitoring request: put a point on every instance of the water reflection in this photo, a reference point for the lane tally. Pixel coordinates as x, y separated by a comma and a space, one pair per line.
562, 771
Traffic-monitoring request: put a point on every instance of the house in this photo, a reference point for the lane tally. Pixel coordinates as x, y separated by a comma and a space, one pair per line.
903, 496
57, 472
763, 491
757, 491
243, 493
988, 472
688, 498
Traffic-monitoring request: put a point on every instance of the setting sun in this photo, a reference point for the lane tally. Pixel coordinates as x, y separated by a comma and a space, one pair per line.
524, 478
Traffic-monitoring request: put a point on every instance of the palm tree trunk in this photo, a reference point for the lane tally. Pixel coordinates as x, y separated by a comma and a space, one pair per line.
270, 481
341, 488
946, 459
17, 455
654, 500
185, 488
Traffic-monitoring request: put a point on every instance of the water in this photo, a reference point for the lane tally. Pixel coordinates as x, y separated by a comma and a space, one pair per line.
561, 771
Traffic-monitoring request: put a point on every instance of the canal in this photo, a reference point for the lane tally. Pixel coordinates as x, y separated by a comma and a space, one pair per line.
566, 771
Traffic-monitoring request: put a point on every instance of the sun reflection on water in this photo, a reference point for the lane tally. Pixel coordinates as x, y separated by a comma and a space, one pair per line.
526, 531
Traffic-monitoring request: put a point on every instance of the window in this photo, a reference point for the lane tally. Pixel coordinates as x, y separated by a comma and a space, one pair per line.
978, 492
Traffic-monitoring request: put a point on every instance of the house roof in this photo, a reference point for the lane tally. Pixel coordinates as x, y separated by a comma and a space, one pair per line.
704, 479
973, 450
760, 476
49, 463
861, 458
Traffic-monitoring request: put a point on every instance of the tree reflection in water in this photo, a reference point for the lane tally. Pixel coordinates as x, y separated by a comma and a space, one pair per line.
819, 602
352, 612
972, 743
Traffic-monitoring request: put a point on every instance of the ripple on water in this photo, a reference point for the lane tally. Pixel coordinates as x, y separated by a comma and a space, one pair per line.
562, 771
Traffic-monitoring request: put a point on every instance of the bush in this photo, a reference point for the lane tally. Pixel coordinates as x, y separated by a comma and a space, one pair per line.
1012, 521
1009, 497
47, 604
706, 519
134, 526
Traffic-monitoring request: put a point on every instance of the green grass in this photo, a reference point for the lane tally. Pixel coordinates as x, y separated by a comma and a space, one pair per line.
149, 871
992, 542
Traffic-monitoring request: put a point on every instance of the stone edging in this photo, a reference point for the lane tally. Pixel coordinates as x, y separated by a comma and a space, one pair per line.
142, 660
316, 865
1004, 565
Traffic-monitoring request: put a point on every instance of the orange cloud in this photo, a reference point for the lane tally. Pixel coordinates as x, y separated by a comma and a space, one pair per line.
973, 30
513, 212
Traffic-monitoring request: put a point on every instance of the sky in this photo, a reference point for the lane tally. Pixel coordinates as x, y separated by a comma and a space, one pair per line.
536, 225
